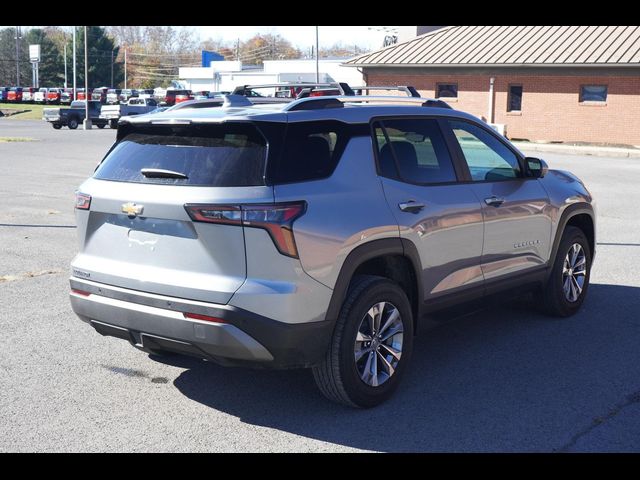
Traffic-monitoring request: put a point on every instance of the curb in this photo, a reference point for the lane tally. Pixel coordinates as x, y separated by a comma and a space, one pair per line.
579, 150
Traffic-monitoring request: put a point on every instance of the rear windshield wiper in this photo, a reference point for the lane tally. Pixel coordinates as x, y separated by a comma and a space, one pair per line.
159, 173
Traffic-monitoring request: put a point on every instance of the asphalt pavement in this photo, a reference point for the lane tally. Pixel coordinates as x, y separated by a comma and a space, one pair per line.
504, 378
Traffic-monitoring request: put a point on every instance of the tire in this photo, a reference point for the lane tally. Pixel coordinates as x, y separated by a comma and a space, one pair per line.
113, 124
100, 125
554, 299
339, 376
73, 123
56, 126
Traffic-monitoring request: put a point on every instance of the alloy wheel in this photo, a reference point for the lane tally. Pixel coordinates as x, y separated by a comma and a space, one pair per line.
378, 345
574, 272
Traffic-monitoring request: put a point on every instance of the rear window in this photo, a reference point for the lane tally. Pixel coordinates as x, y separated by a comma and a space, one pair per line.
229, 155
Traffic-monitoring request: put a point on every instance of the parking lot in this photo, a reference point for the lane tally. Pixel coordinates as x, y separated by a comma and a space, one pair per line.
502, 378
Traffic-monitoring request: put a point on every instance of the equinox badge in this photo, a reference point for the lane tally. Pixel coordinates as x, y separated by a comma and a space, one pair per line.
131, 209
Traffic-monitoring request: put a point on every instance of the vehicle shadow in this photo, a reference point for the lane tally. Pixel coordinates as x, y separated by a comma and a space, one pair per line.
502, 379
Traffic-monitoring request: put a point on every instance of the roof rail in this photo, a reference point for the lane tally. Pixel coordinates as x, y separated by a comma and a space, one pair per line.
318, 103
408, 89
344, 88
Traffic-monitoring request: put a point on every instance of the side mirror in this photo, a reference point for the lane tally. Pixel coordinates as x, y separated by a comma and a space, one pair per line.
536, 167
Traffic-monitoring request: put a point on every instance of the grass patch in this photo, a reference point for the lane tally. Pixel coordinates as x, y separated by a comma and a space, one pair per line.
34, 113
16, 139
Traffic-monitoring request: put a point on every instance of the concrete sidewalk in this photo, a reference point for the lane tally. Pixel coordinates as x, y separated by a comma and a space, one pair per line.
567, 149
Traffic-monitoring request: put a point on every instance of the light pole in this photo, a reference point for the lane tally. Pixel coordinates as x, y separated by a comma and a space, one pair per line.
18, 37
87, 121
75, 93
65, 62
317, 58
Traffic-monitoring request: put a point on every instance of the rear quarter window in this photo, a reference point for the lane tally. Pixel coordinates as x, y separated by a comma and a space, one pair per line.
310, 151
215, 156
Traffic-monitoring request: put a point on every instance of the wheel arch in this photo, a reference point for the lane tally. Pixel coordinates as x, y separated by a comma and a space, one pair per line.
579, 215
393, 258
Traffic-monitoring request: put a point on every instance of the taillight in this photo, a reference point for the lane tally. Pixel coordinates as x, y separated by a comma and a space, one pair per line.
83, 201
277, 219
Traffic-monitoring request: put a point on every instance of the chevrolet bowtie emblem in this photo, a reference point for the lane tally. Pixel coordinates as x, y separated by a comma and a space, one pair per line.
132, 209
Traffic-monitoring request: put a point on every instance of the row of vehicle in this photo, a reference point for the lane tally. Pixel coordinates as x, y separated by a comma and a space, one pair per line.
104, 95
100, 115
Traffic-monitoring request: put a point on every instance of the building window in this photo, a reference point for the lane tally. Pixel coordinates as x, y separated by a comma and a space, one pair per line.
593, 93
447, 90
514, 101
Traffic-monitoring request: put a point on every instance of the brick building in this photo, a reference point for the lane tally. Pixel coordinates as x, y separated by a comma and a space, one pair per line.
545, 83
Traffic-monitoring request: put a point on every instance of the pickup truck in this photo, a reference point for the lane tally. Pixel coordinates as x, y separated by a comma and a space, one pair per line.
134, 106
74, 115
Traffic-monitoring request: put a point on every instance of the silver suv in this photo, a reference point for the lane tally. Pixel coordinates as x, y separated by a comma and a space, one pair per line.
318, 233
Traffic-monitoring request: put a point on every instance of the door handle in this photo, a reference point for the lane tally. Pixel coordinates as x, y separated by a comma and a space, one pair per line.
411, 206
494, 201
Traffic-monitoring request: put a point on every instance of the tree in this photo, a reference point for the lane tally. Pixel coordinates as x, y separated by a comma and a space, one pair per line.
155, 53
102, 54
51, 66
339, 50
267, 47
8, 58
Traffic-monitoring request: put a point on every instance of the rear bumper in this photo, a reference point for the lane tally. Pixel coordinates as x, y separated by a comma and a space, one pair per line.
157, 323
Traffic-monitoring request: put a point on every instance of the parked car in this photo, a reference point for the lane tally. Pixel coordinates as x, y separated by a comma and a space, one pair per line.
66, 97
14, 95
159, 94
82, 95
205, 95
100, 95
147, 93
28, 93
40, 96
200, 95
74, 115
286, 261
135, 106
113, 96
4, 93
54, 95
126, 94
174, 96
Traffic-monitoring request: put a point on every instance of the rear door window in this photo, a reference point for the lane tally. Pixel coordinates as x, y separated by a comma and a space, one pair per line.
216, 156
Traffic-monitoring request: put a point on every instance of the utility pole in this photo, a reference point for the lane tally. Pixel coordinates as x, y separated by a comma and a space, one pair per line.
111, 68
18, 37
86, 125
317, 60
238, 49
125, 67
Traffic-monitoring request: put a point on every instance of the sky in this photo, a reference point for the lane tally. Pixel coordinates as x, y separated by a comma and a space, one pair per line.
303, 36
